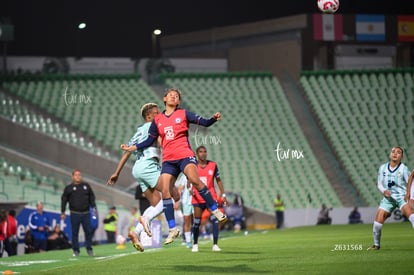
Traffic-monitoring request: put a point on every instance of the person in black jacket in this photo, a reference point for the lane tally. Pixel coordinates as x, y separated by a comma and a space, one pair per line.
80, 197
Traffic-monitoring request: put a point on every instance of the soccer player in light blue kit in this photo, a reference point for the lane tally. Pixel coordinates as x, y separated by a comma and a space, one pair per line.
185, 189
146, 171
392, 183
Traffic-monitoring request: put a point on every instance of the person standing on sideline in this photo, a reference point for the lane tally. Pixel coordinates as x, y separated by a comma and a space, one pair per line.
392, 183
80, 197
207, 171
39, 226
10, 243
279, 211
110, 224
354, 217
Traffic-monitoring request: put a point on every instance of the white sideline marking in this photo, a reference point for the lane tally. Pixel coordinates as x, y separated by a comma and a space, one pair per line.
26, 263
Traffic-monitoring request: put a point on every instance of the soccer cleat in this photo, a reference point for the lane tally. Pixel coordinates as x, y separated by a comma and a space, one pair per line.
174, 233
189, 245
221, 217
75, 253
146, 225
195, 248
374, 247
90, 253
135, 241
216, 248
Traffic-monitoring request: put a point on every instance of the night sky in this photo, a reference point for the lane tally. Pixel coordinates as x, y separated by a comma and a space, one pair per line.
123, 28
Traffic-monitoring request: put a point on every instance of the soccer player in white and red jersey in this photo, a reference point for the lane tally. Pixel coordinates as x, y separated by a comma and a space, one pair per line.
172, 126
392, 183
207, 171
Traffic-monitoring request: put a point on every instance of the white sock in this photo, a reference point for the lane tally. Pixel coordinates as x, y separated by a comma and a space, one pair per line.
377, 233
153, 211
187, 237
411, 219
138, 229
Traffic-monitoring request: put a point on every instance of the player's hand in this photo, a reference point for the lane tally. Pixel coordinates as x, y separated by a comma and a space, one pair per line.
112, 180
407, 197
387, 193
128, 148
217, 116
62, 216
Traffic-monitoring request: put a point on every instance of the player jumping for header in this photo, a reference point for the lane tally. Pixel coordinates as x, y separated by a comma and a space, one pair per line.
172, 126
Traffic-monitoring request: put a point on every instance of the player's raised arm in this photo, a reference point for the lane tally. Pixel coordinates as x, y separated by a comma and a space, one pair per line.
114, 177
196, 119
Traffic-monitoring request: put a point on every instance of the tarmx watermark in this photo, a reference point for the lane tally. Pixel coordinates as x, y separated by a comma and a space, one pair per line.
72, 98
286, 154
206, 140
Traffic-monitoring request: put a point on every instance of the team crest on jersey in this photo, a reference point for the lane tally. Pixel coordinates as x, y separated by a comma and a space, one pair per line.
210, 172
169, 132
178, 120
74, 188
84, 187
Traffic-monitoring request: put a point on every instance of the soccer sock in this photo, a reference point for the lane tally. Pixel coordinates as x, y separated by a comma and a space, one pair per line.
206, 195
153, 211
196, 229
169, 212
215, 230
187, 237
138, 229
411, 219
377, 233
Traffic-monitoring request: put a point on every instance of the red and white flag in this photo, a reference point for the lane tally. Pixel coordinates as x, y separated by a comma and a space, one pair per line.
327, 27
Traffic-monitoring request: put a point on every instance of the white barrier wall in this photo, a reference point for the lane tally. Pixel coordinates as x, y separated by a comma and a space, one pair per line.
304, 217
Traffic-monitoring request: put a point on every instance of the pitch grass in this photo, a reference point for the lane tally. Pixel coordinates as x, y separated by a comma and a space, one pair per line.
304, 250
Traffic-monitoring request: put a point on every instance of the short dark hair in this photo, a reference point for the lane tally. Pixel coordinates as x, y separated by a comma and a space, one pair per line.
172, 90
146, 108
201, 147
74, 171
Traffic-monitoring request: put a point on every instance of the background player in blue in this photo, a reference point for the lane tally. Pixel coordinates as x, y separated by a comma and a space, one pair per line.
39, 227
392, 183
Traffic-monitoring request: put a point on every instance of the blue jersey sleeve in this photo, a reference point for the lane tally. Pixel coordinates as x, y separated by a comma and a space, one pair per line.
216, 172
196, 119
152, 136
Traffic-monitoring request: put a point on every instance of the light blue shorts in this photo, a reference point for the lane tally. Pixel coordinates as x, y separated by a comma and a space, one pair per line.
146, 172
389, 204
187, 209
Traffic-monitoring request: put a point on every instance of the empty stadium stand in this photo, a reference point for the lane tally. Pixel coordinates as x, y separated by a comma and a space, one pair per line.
257, 120
364, 114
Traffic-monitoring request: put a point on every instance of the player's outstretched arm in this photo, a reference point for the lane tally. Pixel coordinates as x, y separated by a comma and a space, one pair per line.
196, 119
127, 148
112, 179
